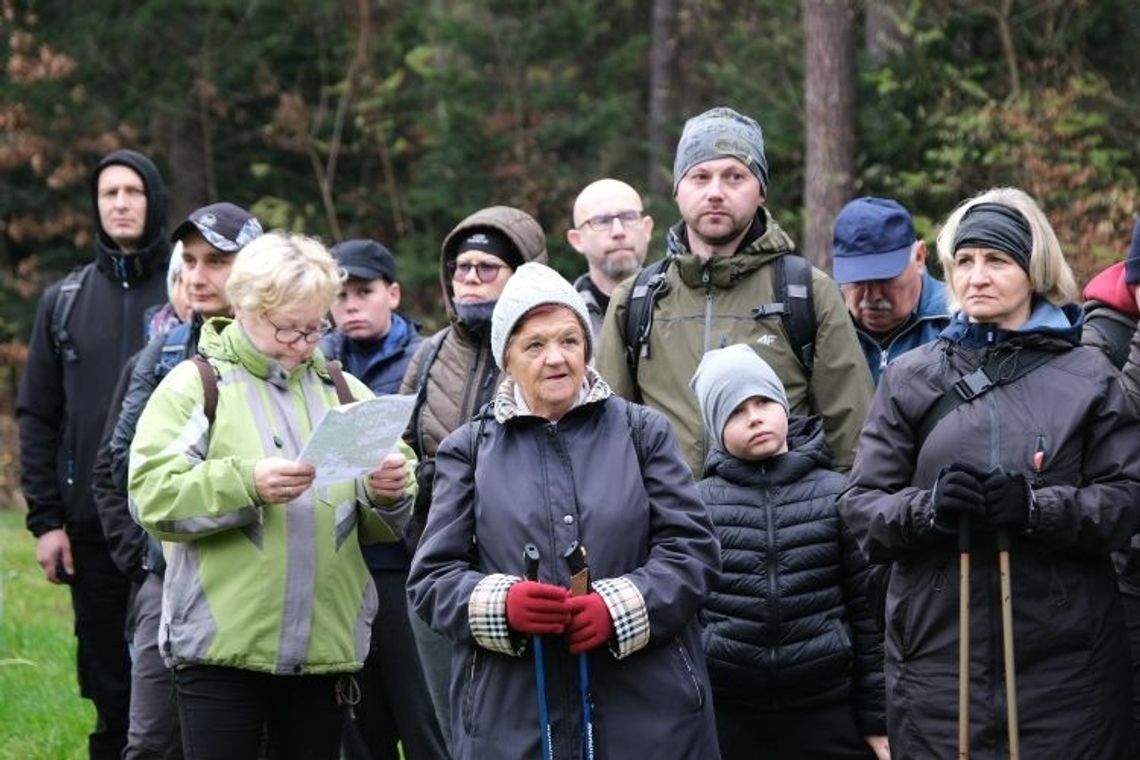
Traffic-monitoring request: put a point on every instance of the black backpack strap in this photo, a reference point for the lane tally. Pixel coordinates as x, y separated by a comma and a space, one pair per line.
795, 305
61, 341
485, 413
649, 285
336, 374
209, 386
635, 416
978, 383
435, 343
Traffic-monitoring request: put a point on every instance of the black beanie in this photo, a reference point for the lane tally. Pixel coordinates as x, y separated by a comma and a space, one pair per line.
492, 241
1132, 260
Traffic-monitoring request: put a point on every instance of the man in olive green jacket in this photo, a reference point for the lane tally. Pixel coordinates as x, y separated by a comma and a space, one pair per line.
721, 272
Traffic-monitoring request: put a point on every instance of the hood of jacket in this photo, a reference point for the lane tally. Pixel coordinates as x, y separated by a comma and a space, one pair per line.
154, 253
223, 338
517, 225
768, 242
1110, 289
1047, 324
807, 451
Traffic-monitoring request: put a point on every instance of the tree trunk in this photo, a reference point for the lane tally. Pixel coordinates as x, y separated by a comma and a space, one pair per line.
660, 93
829, 103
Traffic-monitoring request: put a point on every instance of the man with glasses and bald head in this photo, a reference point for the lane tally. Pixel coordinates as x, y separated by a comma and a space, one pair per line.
612, 230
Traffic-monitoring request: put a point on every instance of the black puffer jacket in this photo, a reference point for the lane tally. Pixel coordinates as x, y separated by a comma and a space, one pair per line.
1071, 652
787, 623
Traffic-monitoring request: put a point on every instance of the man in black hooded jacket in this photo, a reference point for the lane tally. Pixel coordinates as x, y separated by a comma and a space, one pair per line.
86, 326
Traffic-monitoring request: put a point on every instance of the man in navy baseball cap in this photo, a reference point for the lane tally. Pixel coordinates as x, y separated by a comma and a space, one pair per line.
880, 265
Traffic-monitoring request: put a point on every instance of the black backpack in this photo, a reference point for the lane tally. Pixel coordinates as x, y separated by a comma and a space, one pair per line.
61, 342
792, 303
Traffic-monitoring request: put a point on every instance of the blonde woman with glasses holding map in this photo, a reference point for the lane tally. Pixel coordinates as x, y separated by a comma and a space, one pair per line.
267, 603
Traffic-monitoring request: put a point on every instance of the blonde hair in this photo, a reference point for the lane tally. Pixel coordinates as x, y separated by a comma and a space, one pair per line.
280, 270
1049, 274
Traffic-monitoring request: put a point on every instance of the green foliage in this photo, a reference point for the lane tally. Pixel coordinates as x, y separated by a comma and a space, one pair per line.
41, 715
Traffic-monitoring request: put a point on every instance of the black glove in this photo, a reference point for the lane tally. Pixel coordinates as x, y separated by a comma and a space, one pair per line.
1007, 500
956, 494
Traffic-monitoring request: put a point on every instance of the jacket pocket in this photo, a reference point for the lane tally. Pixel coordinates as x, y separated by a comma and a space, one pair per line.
688, 674
471, 688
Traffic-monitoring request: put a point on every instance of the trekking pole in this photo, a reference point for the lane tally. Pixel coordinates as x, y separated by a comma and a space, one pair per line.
1007, 643
575, 558
963, 637
1007, 620
531, 558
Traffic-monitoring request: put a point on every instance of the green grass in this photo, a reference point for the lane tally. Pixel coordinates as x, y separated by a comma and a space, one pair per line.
41, 712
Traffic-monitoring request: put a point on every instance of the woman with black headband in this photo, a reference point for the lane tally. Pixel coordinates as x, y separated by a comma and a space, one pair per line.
1005, 437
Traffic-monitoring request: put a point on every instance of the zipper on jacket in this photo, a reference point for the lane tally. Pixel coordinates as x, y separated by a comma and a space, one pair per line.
771, 561
703, 438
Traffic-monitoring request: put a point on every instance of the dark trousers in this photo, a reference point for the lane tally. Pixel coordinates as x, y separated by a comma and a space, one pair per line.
99, 593
394, 701
153, 732
225, 712
827, 732
1131, 605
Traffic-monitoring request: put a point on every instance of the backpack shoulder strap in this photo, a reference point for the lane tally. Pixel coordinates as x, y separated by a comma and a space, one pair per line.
435, 343
343, 394
174, 350
481, 417
61, 341
976, 384
209, 386
635, 416
794, 291
648, 287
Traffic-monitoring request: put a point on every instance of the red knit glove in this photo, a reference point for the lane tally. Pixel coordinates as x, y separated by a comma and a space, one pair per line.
590, 623
534, 607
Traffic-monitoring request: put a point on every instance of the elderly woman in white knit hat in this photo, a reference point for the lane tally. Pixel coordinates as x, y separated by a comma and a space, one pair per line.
546, 664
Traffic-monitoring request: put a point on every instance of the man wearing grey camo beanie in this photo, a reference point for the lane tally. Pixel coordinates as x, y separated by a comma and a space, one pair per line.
732, 275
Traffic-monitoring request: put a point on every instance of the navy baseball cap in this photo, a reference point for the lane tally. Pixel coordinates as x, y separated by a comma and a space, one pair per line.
365, 260
873, 240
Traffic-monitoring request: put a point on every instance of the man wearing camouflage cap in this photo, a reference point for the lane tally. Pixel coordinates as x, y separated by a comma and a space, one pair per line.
723, 282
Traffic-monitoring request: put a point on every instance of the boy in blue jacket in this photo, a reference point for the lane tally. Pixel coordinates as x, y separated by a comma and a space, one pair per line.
795, 659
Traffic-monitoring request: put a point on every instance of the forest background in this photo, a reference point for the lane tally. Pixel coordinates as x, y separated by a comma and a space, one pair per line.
394, 119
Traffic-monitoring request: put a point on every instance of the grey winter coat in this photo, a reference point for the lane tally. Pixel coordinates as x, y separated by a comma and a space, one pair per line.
1071, 651
787, 623
652, 555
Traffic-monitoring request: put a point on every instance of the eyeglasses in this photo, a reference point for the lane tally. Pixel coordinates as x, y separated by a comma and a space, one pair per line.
292, 335
486, 271
603, 222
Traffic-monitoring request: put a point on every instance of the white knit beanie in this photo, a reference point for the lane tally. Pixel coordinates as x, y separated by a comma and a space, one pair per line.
533, 285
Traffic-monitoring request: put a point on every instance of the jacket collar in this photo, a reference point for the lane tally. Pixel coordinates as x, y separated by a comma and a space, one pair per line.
507, 408
764, 243
1047, 325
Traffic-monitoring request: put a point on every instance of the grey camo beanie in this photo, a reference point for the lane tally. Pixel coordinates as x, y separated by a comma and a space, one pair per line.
721, 133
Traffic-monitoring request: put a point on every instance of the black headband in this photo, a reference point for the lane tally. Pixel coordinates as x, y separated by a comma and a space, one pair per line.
996, 226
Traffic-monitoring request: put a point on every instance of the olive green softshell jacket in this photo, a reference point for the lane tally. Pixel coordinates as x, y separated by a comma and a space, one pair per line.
710, 304
276, 588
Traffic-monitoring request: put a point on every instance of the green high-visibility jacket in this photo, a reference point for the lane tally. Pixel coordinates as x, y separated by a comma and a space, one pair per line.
277, 588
